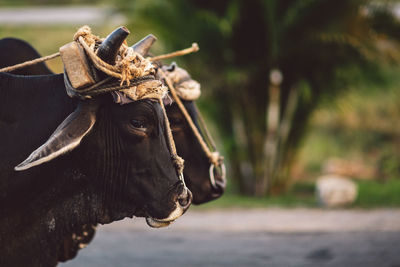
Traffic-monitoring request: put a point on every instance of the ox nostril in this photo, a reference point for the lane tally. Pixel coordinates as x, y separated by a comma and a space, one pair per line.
218, 190
220, 186
185, 199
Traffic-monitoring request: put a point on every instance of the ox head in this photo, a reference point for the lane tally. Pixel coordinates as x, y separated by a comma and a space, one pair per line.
124, 149
197, 165
205, 181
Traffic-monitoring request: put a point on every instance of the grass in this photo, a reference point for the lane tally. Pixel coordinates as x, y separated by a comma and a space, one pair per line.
300, 195
374, 194
371, 194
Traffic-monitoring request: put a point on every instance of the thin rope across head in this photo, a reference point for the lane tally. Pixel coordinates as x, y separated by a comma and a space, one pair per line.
129, 66
29, 63
178, 161
214, 156
88, 40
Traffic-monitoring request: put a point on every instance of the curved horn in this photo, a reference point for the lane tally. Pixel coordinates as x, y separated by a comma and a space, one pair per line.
66, 137
143, 46
109, 48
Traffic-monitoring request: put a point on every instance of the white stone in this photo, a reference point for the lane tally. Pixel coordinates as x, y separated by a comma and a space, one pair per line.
335, 191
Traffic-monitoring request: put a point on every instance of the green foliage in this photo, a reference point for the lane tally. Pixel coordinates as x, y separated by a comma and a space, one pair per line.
371, 194
299, 195
377, 194
322, 48
359, 126
389, 164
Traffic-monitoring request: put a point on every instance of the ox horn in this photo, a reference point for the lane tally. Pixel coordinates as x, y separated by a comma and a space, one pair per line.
109, 48
143, 46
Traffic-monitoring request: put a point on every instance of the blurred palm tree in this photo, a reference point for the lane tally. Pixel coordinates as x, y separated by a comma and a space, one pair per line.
270, 64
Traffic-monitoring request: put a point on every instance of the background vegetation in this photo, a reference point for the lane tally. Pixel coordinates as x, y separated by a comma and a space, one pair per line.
337, 105
322, 48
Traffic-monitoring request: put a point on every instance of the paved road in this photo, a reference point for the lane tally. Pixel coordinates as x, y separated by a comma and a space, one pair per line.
271, 237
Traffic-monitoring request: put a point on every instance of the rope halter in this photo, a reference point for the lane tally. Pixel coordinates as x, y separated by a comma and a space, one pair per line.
132, 78
182, 86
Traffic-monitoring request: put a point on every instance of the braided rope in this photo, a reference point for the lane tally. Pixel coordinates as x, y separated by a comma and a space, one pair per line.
130, 65
122, 70
133, 67
185, 87
192, 49
178, 161
98, 62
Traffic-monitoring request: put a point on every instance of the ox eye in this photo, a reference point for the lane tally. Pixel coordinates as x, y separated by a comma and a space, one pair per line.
139, 125
177, 120
177, 123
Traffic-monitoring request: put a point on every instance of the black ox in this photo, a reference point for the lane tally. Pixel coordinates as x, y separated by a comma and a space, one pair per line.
118, 165
197, 165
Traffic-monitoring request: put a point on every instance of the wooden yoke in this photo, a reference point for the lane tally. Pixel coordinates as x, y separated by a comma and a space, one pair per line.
76, 65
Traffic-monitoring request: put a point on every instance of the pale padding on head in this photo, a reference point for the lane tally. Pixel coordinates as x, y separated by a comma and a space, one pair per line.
186, 88
66, 137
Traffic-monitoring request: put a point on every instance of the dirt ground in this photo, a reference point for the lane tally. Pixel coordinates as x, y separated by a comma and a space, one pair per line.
256, 237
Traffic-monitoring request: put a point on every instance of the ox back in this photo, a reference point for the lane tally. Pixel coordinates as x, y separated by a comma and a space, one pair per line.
112, 175
18, 51
28, 115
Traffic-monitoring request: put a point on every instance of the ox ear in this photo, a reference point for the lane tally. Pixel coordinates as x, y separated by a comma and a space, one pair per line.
66, 137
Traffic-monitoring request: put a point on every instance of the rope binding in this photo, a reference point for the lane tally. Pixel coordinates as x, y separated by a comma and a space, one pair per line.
132, 76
